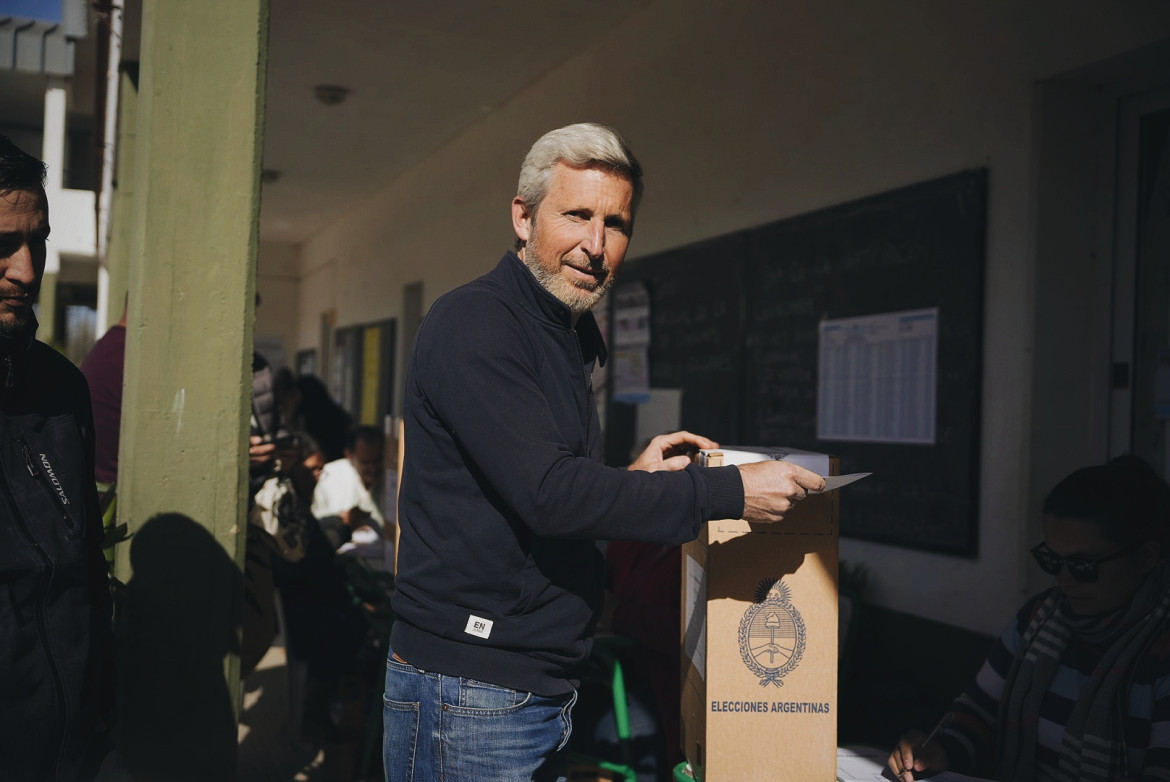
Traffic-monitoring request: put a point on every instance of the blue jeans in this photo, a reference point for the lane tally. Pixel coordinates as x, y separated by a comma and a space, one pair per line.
442, 728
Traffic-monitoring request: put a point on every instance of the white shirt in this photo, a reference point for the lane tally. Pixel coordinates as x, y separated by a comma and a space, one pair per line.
339, 489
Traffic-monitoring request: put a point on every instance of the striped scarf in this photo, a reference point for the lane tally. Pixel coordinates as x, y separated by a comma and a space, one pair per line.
1093, 747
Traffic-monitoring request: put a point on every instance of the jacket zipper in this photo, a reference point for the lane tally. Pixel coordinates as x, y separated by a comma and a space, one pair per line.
9, 374
588, 378
50, 572
36, 474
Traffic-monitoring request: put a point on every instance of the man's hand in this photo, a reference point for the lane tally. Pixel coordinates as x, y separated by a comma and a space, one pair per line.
772, 489
287, 455
671, 451
259, 452
355, 518
910, 757
285, 452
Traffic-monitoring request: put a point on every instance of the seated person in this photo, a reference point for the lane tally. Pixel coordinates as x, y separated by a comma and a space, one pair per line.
324, 625
343, 500
1078, 686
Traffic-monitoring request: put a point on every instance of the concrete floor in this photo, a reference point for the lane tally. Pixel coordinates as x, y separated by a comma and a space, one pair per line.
268, 748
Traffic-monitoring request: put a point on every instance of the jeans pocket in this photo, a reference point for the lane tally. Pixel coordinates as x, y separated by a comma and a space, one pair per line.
400, 722
503, 743
401, 715
478, 698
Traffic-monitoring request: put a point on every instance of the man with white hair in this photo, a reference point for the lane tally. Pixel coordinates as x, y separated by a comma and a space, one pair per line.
504, 496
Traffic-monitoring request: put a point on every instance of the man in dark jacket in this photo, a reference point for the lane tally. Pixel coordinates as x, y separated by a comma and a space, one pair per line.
55, 641
500, 579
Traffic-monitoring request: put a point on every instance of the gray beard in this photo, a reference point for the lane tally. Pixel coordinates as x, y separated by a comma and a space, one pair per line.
578, 300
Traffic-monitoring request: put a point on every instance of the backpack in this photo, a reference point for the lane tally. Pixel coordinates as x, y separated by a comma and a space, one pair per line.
284, 516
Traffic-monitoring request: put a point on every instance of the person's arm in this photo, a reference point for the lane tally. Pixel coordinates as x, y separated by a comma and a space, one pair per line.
967, 742
331, 511
101, 626
770, 488
333, 493
1156, 763
916, 753
335, 530
260, 453
671, 452
484, 385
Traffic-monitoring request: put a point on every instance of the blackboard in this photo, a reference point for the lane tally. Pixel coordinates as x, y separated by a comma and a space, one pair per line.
735, 320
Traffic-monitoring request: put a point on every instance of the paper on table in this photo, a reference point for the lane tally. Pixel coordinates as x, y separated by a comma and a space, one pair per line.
867, 764
860, 764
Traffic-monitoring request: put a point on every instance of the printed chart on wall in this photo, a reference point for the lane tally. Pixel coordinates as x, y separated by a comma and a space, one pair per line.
878, 378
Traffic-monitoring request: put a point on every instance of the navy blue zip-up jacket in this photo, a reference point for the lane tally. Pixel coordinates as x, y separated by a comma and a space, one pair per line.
504, 497
55, 639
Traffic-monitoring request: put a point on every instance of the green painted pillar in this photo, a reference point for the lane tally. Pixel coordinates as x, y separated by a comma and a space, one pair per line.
122, 202
182, 474
47, 308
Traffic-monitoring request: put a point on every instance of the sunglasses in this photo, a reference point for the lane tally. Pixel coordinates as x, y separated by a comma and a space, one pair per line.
1081, 569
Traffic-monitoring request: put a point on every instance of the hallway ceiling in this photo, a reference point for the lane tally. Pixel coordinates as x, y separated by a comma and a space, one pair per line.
419, 74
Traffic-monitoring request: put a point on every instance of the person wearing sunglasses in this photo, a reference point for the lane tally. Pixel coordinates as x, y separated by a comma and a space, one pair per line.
1078, 687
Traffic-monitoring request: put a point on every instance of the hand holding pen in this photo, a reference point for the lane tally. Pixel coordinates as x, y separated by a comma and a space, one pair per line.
916, 753
942, 723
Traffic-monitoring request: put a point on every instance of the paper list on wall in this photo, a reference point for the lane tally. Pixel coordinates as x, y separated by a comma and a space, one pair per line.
631, 342
877, 378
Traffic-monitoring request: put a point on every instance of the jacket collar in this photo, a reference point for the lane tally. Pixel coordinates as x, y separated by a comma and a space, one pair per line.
545, 307
11, 347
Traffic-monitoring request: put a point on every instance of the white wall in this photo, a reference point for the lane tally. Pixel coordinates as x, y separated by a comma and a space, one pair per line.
748, 111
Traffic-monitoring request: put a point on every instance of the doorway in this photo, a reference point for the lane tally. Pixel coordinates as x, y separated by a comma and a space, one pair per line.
1140, 409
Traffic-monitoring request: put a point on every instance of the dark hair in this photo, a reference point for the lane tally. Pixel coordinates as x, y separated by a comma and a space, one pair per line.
309, 445
323, 418
283, 381
370, 435
18, 169
1124, 495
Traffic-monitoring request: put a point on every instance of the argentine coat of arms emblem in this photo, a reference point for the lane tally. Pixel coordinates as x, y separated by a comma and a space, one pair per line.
772, 634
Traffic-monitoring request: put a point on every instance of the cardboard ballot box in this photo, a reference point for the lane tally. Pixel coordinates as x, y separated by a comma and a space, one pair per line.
759, 635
